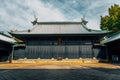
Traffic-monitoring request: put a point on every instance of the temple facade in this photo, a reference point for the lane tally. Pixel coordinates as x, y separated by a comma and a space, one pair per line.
71, 40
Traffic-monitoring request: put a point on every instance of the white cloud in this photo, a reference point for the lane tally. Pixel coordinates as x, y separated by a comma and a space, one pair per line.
17, 14
45, 13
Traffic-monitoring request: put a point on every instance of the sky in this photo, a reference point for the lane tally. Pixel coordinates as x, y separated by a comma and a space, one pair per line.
18, 14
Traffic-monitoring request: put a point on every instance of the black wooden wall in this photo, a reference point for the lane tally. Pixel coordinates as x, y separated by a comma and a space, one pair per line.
48, 52
72, 48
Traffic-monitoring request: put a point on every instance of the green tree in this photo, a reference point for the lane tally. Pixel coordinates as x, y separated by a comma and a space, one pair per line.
111, 21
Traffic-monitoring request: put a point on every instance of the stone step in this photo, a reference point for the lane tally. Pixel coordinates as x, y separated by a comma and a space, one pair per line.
55, 61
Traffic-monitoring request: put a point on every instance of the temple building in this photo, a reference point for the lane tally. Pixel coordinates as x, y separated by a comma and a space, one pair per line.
71, 40
6, 44
113, 45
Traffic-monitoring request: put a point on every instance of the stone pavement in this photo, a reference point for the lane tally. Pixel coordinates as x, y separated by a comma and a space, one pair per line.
99, 71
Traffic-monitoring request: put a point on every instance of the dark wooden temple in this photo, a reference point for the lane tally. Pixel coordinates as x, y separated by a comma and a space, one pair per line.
72, 40
113, 45
6, 44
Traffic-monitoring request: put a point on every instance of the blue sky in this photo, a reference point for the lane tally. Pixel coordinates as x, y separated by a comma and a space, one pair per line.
18, 14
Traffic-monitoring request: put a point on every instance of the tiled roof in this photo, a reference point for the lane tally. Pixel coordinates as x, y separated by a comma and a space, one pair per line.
60, 28
7, 39
113, 37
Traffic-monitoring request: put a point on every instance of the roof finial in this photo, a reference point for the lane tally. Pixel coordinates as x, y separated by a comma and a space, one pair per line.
35, 21
83, 20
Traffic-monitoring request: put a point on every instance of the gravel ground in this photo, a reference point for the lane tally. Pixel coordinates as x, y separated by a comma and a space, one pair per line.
59, 72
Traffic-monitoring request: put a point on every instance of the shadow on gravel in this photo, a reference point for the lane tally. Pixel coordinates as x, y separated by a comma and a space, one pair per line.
60, 74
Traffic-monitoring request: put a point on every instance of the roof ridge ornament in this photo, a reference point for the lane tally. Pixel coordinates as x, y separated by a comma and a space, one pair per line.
83, 21
35, 20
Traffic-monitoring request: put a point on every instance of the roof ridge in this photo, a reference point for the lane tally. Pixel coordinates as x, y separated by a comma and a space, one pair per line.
59, 22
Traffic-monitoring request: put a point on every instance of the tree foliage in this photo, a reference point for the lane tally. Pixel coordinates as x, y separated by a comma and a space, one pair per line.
112, 21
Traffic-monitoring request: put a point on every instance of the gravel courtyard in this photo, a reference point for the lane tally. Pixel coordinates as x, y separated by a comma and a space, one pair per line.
99, 71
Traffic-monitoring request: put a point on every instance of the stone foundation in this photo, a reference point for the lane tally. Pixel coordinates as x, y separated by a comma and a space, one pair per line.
56, 61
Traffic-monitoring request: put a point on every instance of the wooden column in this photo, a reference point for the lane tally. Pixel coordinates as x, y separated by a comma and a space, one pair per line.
11, 56
106, 49
93, 55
